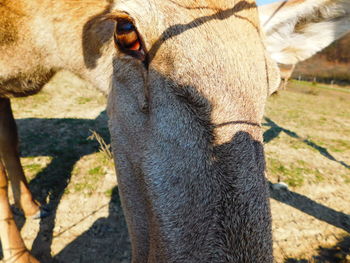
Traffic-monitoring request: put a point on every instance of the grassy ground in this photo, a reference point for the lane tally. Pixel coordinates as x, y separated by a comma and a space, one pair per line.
307, 143
308, 135
70, 173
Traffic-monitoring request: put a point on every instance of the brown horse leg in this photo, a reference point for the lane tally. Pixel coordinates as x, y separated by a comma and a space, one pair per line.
13, 246
10, 157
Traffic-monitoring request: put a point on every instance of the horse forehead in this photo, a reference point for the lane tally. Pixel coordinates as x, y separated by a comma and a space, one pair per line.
209, 4
203, 4
185, 3
172, 21
152, 7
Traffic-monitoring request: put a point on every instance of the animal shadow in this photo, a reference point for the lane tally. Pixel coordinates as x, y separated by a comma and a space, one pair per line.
106, 241
66, 142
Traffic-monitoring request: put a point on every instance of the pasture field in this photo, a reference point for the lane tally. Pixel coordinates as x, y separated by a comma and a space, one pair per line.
307, 144
326, 71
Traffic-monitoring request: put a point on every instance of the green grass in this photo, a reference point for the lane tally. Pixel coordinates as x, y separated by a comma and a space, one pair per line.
89, 183
96, 171
109, 192
337, 145
312, 88
89, 174
83, 100
307, 135
294, 174
347, 179
33, 166
54, 129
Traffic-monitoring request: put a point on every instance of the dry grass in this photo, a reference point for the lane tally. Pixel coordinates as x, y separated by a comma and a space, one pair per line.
322, 70
308, 135
307, 143
65, 154
307, 139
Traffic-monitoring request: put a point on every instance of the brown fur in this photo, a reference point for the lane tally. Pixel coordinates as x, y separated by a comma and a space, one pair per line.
286, 74
9, 20
177, 161
35, 42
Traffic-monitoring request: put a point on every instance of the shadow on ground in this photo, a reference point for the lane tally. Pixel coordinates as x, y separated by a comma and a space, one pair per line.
66, 141
312, 208
340, 253
106, 241
275, 131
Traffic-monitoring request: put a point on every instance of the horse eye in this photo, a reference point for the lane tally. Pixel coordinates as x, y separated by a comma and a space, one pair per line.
127, 39
125, 27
